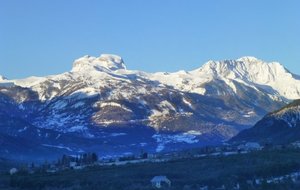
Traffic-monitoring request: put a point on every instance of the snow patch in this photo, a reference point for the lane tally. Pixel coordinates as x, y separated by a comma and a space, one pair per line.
106, 62
60, 105
117, 134
77, 128
193, 132
114, 104
57, 146
78, 104
187, 103
164, 139
21, 130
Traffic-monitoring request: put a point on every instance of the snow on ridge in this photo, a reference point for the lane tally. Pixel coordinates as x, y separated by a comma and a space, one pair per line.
84, 93
117, 134
106, 62
58, 146
60, 105
254, 72
187, 103
248, 59
249, 70
166, 105
164, 108
104, 104
2, 78
29, 82
114, 104
291, 116
22, 130
78, 128
6, 84
193, 132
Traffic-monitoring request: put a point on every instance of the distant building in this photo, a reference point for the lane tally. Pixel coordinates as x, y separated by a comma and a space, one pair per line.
296, 144
253, 146
152, 156
78, 167
221, 188
204, 188
237, 187
241, 147
72, 164
13, 171
158, 181
52, 170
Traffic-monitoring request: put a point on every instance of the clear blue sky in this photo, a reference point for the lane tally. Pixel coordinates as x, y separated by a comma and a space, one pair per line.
41, 37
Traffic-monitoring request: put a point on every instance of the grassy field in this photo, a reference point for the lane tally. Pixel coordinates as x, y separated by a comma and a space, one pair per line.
184, 174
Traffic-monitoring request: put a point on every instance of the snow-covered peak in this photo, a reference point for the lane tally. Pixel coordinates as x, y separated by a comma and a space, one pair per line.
106, 62
4, 82
272, 76
2, 78
248, 69
249, 59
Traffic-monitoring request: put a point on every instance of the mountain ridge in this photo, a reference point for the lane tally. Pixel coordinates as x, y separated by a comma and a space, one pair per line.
100, 96
2, 78
248, 70
279, 127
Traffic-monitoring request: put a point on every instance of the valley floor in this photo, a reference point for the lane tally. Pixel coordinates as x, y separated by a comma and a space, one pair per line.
255, 170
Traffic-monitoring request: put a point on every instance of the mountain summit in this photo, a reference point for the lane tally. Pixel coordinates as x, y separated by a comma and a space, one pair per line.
2, 78
104, 62
272, 77
249, 69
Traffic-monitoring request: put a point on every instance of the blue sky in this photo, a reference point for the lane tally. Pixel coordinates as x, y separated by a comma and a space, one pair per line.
44, 37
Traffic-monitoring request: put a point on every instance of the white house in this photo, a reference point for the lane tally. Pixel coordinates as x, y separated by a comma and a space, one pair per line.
72, 164
296, 144
78, 167
13, 171
204, 188
158, 180
253, 146
52, 170
241, 147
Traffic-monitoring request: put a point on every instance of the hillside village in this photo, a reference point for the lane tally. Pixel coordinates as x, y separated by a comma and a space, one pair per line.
92, 160
81, 161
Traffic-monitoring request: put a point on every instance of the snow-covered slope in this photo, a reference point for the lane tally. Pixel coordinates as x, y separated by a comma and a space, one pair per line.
215, 101
247, 82
281, 126
105, 62
2, 78
4, 82
290, 114
272, 77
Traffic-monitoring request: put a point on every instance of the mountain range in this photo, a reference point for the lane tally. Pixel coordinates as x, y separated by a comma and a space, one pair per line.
102, 106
